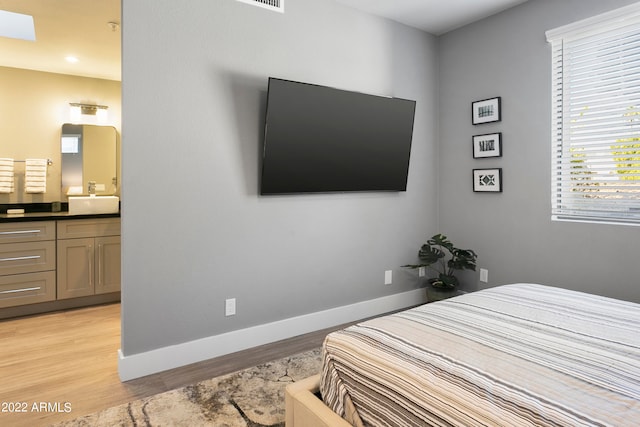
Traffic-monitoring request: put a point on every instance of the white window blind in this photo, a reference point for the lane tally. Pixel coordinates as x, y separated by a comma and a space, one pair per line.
596, 119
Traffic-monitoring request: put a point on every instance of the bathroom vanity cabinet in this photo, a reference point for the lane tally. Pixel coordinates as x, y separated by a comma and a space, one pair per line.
58, 264
88, 257
27, 263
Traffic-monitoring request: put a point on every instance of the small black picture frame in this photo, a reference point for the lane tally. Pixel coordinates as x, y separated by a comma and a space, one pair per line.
487, 180
486, 111
487, 145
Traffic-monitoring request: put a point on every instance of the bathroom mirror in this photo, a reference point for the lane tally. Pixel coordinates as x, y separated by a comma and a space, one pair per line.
88, 154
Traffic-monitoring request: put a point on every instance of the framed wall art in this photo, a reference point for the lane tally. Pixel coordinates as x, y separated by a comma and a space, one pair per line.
486, 111
487, 145
487, 180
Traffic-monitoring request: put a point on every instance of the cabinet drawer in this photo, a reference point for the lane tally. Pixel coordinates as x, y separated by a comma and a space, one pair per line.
29, 257
79, 228
27, 231
28, 288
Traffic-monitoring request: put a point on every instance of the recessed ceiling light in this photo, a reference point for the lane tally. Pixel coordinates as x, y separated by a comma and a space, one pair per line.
17, 26
71, 59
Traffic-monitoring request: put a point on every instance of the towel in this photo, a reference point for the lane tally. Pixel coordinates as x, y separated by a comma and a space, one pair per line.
6, 176
35, 175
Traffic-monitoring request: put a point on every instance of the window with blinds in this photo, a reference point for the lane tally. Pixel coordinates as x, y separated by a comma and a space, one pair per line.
596, 118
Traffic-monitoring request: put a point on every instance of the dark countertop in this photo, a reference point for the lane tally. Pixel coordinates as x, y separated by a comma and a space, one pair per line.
42, 212
50, 216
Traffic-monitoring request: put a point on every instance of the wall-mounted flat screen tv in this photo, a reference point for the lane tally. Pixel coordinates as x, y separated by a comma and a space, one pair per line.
320, 139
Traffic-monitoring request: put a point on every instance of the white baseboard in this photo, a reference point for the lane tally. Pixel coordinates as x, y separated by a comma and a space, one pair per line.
154, 361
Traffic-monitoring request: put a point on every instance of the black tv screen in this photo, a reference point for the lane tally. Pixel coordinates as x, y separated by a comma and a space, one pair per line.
320, 139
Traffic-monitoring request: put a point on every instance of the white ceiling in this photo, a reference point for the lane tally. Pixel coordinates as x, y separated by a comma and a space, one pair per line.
80, 28
66, 27
433, 16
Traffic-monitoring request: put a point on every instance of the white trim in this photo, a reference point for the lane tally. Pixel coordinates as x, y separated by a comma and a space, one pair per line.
561, 218
161, 359
617, 18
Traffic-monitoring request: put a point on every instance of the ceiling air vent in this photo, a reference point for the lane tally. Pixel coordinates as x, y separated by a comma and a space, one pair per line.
275, 5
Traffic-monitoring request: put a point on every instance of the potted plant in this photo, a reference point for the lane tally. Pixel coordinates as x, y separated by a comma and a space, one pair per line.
433, 255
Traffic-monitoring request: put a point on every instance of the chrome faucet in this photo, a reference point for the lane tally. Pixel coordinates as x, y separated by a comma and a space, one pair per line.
92, 188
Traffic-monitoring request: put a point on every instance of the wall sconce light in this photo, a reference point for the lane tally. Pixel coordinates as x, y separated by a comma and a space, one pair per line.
76, 110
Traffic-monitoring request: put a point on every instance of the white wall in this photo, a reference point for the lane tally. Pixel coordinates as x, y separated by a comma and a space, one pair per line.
507, 55
195, 230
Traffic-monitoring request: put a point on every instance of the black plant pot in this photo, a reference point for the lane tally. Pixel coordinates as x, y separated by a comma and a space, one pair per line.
439, 294
437, 290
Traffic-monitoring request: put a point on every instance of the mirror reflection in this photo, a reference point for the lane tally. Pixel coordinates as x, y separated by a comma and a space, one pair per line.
88, 155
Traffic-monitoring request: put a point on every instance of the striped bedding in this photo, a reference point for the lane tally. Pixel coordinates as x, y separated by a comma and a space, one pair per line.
514, 355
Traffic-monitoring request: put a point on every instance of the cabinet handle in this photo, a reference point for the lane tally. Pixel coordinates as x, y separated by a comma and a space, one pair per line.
6, 233
100, 264
90, 250
14, 291
20, 258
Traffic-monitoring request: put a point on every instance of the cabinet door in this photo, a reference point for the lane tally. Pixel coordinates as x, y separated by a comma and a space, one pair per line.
76, 261
108, 264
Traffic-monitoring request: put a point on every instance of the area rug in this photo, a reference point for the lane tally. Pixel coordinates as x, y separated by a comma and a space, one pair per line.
253, 397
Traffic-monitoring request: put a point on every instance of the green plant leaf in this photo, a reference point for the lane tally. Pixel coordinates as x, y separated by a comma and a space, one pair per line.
463, 259
441, 240
430, 255
414, 266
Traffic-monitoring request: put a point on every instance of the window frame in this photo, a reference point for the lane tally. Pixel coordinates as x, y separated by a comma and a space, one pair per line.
566, 204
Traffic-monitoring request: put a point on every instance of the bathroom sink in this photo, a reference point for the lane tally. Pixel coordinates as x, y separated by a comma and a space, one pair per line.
87, 205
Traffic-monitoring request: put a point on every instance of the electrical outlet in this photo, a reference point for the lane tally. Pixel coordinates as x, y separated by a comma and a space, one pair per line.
388, 277
484, 275
230, 307
421, 271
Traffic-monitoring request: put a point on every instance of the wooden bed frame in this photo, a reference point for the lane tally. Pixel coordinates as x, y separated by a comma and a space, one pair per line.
304, 409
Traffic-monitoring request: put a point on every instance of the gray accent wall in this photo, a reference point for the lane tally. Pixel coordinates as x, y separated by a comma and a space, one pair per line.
507, 55
194, 229
196, 232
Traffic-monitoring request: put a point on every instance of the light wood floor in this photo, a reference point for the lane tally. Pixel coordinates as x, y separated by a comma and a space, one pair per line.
70, 358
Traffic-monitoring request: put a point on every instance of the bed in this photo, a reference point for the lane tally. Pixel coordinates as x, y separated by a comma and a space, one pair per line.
514, 355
